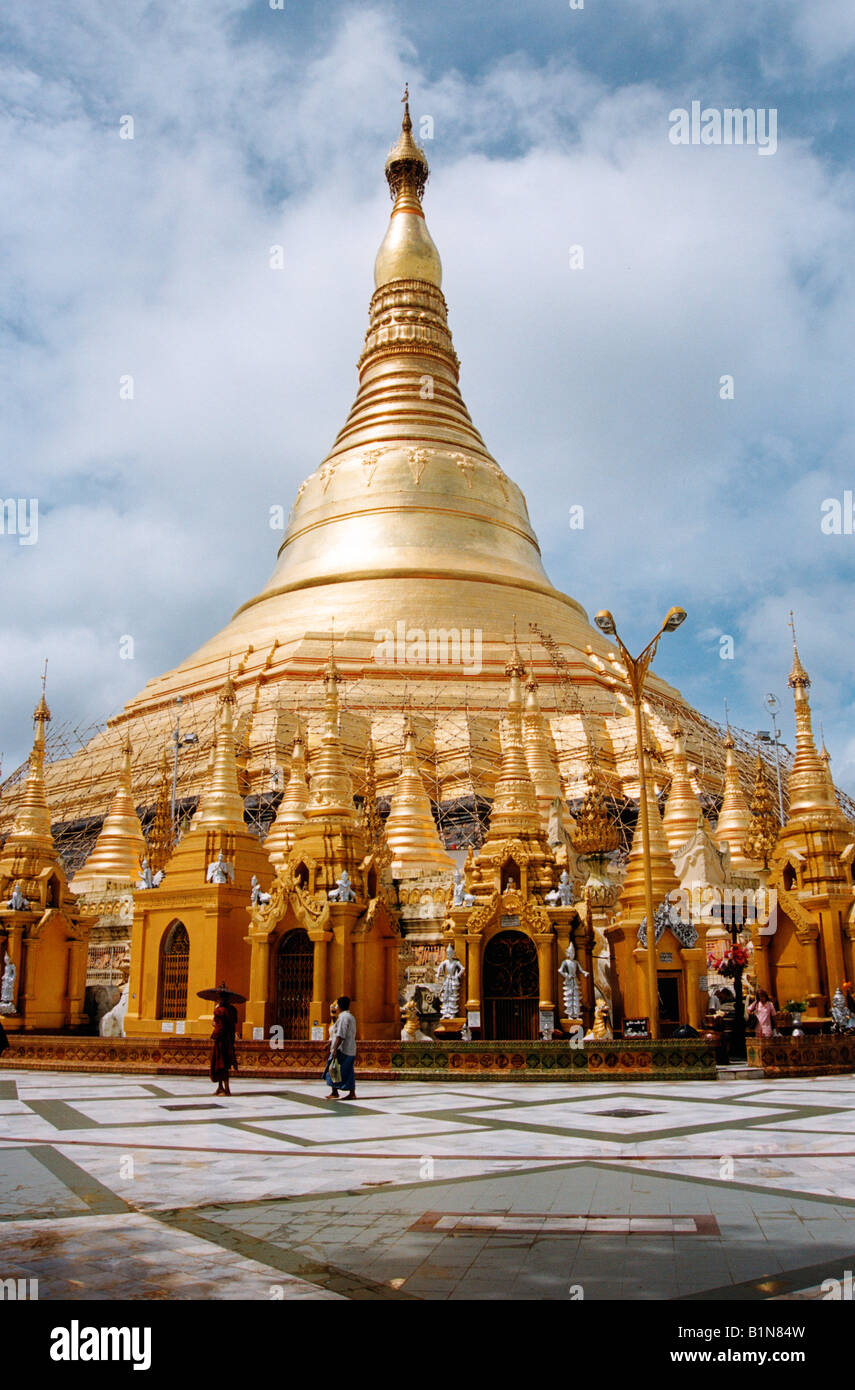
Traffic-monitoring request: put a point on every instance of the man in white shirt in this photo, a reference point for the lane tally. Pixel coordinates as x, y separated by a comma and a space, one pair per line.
344, 1049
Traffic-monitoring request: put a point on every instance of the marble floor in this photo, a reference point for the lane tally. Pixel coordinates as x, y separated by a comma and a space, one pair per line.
152, 1188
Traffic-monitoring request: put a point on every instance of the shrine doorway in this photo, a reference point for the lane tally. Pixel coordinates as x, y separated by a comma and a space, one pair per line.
294, 963
511, 988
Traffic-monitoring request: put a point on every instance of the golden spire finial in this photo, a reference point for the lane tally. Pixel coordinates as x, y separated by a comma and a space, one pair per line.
799, 677
515, 666
331, 671
407, 251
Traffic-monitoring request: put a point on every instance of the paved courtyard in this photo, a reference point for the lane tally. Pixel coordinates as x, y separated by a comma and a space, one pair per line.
149, 1187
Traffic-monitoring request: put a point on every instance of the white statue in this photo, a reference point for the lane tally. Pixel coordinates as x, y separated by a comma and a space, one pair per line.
448, 977
460, 897
220, 870
844, 1019
7, 987
562, 896
113, 1022
147, 879
18, 902
257, 898
343, 892
569, 970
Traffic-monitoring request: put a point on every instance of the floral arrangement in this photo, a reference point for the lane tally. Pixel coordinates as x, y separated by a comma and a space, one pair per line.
731, 964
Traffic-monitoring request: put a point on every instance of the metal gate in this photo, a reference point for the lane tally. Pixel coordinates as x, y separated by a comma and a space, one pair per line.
511, 988
174, 970
294, 975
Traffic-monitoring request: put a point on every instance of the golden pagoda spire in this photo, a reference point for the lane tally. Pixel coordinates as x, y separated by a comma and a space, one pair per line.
331, 789
411, 832
31, 835
161, 840
221, 806
663, 874
682, 807
515, 810
120, 846
538, 754
734, 816
292, 808
407, 251
808, 783
764, 828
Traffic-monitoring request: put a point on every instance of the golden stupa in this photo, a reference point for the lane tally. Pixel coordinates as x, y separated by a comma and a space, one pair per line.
415, 548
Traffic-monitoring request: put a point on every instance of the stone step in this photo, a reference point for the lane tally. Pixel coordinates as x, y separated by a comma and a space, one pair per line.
739, 1071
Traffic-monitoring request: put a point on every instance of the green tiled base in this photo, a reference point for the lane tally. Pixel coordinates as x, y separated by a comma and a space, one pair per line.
440, 1061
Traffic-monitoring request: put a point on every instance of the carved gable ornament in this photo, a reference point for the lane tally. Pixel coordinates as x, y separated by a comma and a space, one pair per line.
667, 918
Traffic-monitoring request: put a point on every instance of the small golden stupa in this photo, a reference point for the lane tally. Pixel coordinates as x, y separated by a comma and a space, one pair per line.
120, 848
411, 831
734, 816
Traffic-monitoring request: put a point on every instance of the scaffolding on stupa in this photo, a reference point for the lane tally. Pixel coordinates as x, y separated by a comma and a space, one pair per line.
457, 727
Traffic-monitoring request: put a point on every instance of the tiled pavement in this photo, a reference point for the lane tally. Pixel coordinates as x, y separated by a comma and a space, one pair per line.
116, 1187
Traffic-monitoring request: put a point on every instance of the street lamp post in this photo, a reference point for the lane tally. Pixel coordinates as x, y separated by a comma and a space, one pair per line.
636, 671
773, 704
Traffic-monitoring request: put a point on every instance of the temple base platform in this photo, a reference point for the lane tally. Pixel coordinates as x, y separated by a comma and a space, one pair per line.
377, 1060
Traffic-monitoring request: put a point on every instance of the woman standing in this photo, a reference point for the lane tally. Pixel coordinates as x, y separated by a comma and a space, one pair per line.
764, 1011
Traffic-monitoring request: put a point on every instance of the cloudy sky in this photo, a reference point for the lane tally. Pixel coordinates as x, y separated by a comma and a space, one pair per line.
600, 386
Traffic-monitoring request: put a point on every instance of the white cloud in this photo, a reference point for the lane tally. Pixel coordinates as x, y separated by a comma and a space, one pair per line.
598, 386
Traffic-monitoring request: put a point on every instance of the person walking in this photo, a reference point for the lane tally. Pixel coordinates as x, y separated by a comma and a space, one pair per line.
342, 1060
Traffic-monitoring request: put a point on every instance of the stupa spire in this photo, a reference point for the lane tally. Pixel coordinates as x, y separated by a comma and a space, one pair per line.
538, 753
120, 846
32, 820
515, 810
663, 874
682, 807
292, 808
407, 251
331, 789
411, 832
734, 816
221, 807
808, 784
161, 840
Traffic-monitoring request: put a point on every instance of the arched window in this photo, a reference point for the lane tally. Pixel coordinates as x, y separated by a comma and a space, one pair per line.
301, 875
788, 878
174, 969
